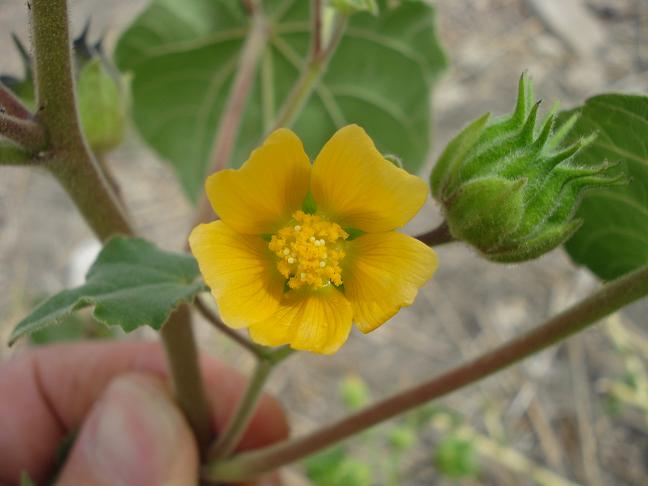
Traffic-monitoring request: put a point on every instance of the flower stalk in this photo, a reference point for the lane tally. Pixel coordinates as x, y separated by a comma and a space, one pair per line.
605, 301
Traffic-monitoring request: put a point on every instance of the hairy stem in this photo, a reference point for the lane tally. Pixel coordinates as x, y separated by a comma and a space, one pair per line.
438, 236
26, 133
237, 425
72, 163
70, 159
180, 347
11, 104
230, 122
608, 299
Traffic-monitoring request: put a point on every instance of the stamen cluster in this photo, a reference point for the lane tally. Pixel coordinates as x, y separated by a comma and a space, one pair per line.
309, 251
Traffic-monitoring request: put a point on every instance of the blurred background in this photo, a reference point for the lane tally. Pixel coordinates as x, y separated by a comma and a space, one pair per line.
574, 414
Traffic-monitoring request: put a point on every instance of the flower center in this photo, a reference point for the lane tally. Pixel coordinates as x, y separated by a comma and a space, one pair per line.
309, 251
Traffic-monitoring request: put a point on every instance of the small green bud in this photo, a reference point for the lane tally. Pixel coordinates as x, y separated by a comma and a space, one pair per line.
508, 188
101, 107
349, 7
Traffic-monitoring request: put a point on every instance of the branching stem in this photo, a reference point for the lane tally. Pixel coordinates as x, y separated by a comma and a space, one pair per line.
12, 105
608, 299
73, 164
26, 133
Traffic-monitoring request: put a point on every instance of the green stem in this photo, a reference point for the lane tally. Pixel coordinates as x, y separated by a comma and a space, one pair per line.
69, 158
315, 67
73, 164
608, 299
180, 346
231, 436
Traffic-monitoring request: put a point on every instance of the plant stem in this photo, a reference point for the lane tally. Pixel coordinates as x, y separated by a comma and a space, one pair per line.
11, 104
608, 299
230, 121
180, 347
315, 67
257, 351
316, 28
438, 236
70, 159
231, 436
24, 132
72, 163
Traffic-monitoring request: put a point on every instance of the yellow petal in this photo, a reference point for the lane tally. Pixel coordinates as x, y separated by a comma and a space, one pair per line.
262, 195
240, 272
317, 321
358, 188
384, 272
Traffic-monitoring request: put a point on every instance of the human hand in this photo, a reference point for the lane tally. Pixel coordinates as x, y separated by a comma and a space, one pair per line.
115, 394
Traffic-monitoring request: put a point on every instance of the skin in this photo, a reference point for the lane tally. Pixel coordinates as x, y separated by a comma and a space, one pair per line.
117, 396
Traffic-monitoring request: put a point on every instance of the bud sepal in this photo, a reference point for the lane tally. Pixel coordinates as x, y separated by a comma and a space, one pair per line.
509, 188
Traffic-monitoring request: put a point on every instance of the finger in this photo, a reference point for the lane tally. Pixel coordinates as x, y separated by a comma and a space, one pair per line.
47, 392
133, 436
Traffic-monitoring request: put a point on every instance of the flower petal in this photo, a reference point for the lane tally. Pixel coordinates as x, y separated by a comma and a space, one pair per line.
239, 271
383, 273
358, 188
317, 321
262, 195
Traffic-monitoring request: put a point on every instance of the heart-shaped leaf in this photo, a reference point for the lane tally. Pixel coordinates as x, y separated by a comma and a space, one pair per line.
183, 57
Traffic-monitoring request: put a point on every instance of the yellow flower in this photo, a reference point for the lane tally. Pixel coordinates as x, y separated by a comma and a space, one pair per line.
303, 251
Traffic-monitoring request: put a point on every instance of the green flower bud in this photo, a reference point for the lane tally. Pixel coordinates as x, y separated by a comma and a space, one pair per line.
100, 98
101, 107
508, 188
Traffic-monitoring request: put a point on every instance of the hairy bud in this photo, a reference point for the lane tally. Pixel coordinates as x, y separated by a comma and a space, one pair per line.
508, 188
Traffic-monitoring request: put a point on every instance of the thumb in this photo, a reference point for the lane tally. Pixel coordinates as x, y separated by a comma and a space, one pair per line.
134, 435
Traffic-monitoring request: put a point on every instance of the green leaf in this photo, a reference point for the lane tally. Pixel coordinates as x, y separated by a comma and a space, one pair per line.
132, 283
183, 57
613, 239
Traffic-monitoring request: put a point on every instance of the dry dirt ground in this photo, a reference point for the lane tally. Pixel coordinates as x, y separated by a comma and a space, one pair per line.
578, 411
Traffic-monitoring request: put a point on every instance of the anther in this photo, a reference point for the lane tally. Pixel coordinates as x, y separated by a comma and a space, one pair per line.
291, 260
322, 264
297, 227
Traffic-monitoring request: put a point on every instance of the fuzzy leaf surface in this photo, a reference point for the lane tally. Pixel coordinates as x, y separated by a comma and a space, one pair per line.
183, 58
131, 284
